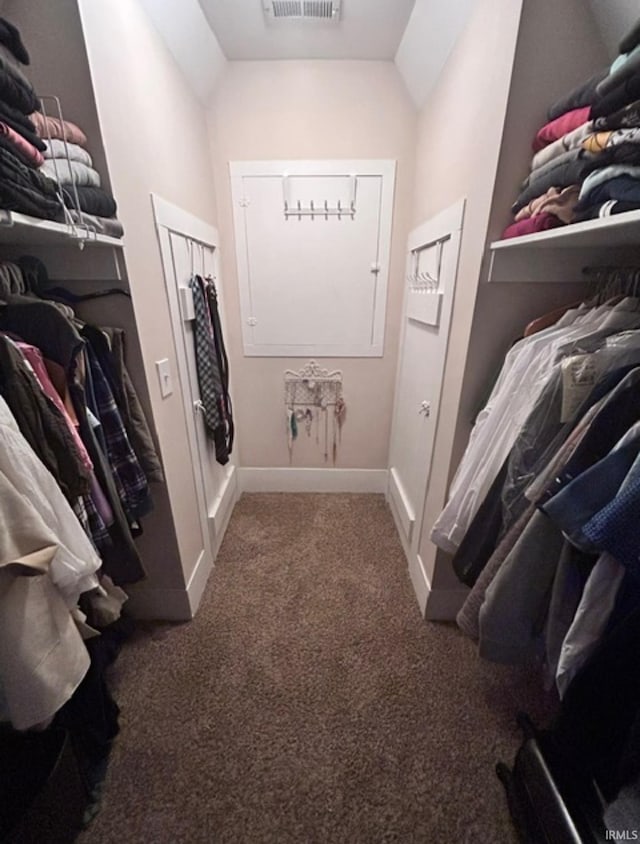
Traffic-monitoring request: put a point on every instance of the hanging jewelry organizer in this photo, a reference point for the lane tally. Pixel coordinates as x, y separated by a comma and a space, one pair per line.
314, 404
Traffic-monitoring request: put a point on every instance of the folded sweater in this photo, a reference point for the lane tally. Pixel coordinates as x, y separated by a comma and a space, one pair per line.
25, 151
10, 37
21, 124
560, 126
57, 148
584, 95
51, 127
25, 189
70, 172
15, 90
95, 201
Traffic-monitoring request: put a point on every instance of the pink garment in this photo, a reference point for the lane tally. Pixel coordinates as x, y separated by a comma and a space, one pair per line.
51, 127
27, 150
560, 127
539, 223
34, 357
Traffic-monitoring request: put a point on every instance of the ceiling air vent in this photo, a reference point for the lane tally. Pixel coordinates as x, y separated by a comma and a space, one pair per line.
322, 10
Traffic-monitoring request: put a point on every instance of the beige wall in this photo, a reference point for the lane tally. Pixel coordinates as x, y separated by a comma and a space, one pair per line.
154, 131
459, 136
313, 110
488, 157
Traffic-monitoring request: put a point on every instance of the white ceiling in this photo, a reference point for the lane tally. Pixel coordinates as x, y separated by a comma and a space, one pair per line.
368, 29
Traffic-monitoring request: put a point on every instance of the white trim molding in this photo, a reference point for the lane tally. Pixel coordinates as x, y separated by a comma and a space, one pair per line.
435, 604
312, 480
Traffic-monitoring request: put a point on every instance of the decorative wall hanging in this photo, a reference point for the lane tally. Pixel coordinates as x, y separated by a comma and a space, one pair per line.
313, 401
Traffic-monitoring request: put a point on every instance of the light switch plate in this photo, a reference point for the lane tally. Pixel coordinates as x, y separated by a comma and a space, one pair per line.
164, 377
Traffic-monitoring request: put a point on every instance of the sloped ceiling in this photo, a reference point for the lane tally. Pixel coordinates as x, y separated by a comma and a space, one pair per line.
431, 32
419, 34
366, 29
187, 34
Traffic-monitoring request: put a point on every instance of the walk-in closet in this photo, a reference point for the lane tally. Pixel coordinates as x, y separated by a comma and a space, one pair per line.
319, 408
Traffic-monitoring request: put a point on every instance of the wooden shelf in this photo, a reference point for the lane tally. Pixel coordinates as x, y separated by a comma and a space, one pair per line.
559, 255
19, 228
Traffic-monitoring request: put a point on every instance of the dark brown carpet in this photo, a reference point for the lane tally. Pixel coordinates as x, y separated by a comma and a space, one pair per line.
309, 701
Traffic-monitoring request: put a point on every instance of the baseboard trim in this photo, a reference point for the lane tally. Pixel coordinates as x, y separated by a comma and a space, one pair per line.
420, 581
444, 604
222, 509
312, 480
405, 515
198, 581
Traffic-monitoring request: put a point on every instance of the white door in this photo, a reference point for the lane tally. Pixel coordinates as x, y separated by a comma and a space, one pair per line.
188, 246
312, 245
431, 275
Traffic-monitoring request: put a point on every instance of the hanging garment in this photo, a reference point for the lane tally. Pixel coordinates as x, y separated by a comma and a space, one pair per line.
598, 721
573, 571
129, 478
212, 371
42, 656
590, 620
468, 617
560, 414
528, 366
516, 602
223, 360
41, 422
592, 490
614, 529
73, 566
133, 415
120, 558
34, 357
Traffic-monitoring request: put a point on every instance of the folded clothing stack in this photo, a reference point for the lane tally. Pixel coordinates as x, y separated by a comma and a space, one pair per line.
23, 187
67, 161
587, 156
